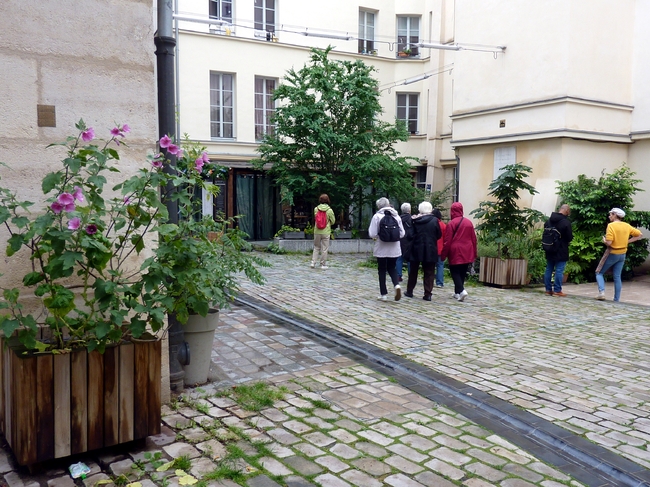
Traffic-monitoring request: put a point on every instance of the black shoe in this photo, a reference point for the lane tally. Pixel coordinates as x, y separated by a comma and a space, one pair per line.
427, 298
408, 294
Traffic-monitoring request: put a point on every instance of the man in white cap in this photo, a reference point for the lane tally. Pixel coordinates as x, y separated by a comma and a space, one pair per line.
619, 235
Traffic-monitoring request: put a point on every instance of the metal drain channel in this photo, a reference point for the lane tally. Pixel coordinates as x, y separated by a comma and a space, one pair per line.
582, 458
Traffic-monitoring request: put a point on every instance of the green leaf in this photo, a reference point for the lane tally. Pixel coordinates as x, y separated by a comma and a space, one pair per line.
51, 181
70, 259
33, 278
5, 214
15, 243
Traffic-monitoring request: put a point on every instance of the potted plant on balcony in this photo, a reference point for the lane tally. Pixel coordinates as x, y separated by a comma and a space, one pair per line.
406, 52
196, 263
503, 225
74, 377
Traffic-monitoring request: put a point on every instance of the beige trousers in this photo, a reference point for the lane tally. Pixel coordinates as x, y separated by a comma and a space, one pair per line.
322, 245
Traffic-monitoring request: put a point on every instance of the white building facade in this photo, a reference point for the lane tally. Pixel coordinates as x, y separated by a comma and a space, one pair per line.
566, 97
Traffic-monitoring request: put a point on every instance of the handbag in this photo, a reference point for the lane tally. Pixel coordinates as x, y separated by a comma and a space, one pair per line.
603, 259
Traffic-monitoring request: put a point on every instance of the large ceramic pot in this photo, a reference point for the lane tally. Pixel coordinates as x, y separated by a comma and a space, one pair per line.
57, 405
199, 335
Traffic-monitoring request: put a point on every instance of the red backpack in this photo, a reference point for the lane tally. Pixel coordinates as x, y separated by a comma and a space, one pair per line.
321, 219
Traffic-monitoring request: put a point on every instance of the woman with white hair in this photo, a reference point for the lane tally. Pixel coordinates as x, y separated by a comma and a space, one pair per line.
424, 250
386, 251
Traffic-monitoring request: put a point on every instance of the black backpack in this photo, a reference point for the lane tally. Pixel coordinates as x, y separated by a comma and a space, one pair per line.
388, 228
551, 238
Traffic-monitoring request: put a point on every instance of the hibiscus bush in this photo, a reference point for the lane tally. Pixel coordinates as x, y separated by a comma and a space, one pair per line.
82, 247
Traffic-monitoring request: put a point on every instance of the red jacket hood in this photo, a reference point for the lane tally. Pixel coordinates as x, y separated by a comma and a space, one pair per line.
456, 210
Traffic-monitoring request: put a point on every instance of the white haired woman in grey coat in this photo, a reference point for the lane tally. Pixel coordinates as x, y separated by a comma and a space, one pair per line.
386, 252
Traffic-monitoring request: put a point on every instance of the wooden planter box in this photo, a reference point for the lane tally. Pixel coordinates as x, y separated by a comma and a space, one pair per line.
503, 272
53, 406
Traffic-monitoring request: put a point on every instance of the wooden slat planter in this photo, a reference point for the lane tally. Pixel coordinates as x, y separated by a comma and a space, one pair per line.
503, 272
53, 406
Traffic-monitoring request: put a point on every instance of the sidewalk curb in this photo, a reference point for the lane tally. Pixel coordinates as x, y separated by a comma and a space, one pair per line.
585, 461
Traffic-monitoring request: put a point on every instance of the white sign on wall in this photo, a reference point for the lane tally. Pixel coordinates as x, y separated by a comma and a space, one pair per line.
502, 157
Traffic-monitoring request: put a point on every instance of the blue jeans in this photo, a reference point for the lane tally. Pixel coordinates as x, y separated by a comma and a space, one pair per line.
399, 265
615, 261
440, 273
558, 266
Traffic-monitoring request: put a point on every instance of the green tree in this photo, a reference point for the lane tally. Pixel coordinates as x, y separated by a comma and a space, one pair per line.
590, 200
328, 138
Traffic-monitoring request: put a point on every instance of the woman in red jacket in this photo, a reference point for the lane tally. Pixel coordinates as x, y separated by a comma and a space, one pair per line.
460, 248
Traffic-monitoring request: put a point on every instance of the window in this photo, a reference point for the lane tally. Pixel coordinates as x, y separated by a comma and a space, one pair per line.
221, 106
408, 34
264, 106
502, 157
265, 15
407, 110
366, 32
421, 178
221, 9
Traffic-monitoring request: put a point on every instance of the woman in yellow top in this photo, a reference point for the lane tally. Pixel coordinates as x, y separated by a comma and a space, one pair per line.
618, 235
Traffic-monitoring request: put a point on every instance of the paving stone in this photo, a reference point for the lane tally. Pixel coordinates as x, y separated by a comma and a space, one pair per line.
332, 463
401, 463
418, 442
360, 479
274, 466
195, 435
485, 471
297, 426
262, 481
201, 466
295, 481
123, 467
474, 482
445, 469
547, 471
407, 452
376, 437
329, 480
280, 451
510, 455
319, 439
400, 480
318, 423
430, 479
486, 457
177, 421
343, 435
349, 425
88, 481
371, 449
374, 467
283, 436
302, 465
66, 481
344, 451
309, 449
180, 449
274, 415
523, 472
388, 429
515, 483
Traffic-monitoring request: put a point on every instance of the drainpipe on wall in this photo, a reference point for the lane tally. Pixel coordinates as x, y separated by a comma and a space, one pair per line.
165, 45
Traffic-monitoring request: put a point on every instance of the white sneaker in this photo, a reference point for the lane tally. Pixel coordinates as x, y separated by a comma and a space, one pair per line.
601, 296
312, 265
383, 297
324, 267
454, 296
462, 296
398, 292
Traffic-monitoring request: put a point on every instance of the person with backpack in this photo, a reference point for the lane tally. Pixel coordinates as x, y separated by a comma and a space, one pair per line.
405, 242
387, 230
424, 250
323, 220
556, 237
460, 248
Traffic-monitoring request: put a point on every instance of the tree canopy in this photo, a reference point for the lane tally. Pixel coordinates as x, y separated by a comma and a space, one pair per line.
328, 138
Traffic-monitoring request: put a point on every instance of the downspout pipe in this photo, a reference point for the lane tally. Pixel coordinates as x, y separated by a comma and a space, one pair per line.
165, 46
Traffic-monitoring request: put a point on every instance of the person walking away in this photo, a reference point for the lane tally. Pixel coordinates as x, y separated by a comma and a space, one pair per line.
619, 235
388, 250
460, 248
405, 243
440, 265
424, 250
324, 219
558, 228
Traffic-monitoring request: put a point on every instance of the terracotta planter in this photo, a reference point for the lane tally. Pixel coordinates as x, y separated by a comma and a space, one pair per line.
53, 406
199, 335
503, 272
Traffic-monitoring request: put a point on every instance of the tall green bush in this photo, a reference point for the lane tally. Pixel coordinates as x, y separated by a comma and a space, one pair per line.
590, 200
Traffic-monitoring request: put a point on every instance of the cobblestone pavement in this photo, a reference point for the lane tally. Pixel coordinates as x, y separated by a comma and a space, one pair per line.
577, 362
339, 424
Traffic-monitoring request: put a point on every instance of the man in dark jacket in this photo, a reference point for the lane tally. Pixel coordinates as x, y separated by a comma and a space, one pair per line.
558, 255
406, 241
424, 250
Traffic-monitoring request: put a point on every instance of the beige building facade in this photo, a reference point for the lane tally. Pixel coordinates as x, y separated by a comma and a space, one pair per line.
567, 96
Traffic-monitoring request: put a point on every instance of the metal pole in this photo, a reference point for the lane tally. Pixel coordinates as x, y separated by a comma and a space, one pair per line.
165, 44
